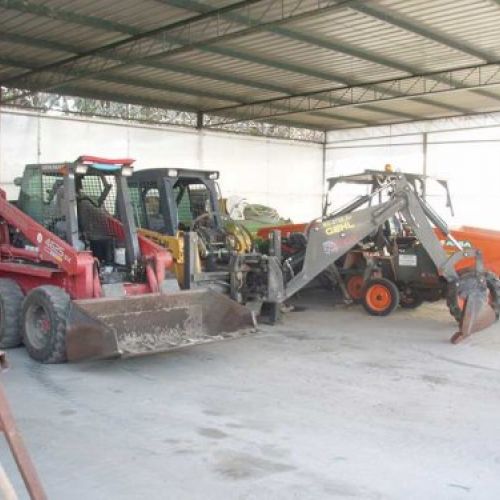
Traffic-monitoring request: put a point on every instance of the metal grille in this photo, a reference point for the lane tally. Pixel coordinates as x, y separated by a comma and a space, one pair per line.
43, 198
192, 201
137, 207
62, 105
52, 199
96, 202
42, 195
101, 190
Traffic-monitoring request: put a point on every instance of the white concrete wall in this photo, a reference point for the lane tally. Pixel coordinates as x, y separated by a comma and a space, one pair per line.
284, 174
469, 157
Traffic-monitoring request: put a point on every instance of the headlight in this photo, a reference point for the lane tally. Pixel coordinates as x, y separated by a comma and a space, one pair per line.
172, 172
127, 170
81, 169
213, 175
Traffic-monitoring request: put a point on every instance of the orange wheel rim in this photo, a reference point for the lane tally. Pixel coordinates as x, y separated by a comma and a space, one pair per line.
378, 297
354, 286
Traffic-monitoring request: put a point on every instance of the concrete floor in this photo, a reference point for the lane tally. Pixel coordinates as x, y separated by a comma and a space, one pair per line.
330, 404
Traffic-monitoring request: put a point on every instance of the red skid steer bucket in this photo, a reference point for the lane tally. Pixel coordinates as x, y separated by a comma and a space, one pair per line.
147, 324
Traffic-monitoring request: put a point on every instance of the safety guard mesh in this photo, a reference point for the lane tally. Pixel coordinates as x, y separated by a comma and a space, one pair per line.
42, 197
145, 199
96, 195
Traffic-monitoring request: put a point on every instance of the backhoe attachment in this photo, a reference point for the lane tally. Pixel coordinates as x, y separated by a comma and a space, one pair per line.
474, 301
474, 296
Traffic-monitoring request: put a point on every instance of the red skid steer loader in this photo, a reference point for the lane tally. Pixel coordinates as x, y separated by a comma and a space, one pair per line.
75, 283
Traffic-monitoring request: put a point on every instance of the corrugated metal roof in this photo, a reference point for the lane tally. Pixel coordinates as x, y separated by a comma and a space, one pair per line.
257, 51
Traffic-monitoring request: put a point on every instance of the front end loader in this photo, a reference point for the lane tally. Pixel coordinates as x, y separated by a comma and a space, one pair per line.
77, 283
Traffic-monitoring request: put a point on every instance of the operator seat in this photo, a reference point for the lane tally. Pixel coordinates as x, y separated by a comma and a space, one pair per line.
95, 229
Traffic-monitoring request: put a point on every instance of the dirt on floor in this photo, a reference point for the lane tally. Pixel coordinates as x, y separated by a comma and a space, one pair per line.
331, 403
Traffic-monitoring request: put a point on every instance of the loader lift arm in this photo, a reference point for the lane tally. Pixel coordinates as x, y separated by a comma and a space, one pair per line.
46, 246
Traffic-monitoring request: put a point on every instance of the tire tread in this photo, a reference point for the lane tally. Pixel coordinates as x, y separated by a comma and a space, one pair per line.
12, 297
59, 301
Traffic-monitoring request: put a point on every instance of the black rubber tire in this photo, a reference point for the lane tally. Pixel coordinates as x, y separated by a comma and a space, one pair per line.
452, 302
393, 291
11, 300
410, 298
54, 302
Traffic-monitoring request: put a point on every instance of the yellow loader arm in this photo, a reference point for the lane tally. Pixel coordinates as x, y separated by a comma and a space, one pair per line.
175, 244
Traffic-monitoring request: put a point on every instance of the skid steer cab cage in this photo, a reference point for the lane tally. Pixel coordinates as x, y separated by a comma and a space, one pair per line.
331, 237
46, 215
166, 198
181, 210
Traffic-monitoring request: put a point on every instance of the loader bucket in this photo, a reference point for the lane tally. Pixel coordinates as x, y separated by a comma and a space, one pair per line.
480, 308
478, 315
147, 324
